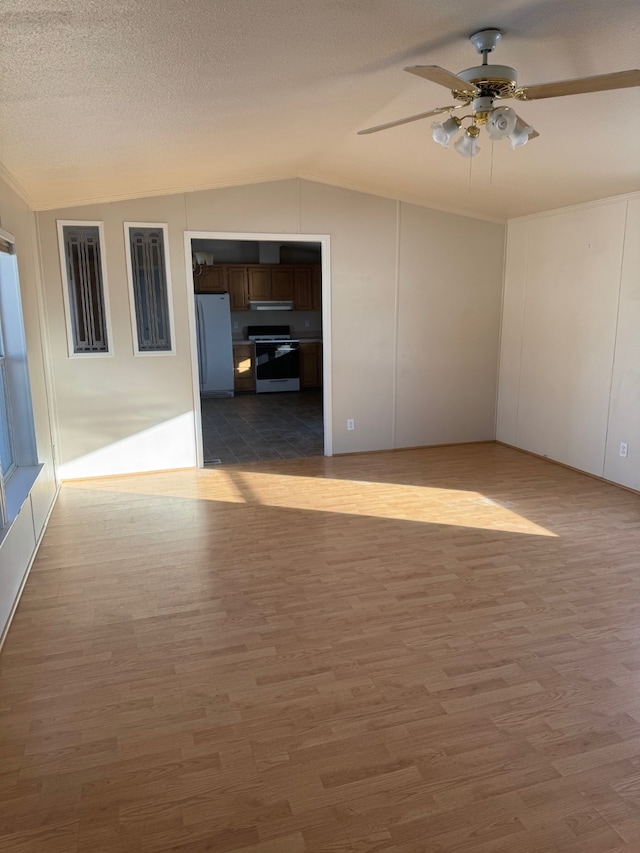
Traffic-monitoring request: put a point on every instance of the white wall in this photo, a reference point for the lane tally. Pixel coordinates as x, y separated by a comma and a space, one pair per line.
363, 287
624, 408
404, 300
121, 413
570, 355
18, 545
448, 313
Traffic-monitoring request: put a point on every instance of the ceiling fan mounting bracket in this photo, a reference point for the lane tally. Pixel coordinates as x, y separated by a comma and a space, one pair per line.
485, 41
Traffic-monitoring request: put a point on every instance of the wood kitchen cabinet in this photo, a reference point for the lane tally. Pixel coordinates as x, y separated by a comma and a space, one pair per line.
316, 287
225, 278
209, 279
244, 367
270, 282
282, 283
310, 364
307, 288
302, 289
299, 283
238, 287
259, 283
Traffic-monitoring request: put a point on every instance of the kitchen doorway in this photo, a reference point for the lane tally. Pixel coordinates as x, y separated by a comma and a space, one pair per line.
253, 427
276, 284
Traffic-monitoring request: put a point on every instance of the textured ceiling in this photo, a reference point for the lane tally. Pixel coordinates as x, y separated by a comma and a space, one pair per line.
105, 99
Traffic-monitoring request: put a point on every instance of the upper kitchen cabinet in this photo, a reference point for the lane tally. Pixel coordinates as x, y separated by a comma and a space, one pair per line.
300, 284
307, 288
238, 286
260, 282
282, 283
316, 283
209, 279
270, 282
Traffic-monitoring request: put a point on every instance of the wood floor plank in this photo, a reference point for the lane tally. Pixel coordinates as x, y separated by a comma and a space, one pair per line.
427, 650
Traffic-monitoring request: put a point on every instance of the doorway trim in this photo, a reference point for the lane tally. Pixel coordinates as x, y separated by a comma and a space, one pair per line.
325, 250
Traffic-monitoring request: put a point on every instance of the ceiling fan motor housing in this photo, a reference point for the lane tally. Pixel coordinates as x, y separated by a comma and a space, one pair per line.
494, 81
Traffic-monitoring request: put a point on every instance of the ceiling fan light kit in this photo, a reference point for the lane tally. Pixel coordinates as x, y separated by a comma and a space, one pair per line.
481, 86
501, 123
520, 135
444, 131
467, 144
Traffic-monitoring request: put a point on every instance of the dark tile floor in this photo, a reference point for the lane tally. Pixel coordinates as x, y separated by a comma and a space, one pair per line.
251, 427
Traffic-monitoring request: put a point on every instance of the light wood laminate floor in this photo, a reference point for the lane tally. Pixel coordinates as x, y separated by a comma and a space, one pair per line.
433, 650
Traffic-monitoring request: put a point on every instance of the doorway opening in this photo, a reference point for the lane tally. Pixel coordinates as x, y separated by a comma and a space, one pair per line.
260, 333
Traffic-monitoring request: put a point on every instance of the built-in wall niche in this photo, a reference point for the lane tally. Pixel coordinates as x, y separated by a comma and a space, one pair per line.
259, 251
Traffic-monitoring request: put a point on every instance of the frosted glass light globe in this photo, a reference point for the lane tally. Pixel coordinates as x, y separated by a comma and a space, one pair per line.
467, 146
443, 132
501, 122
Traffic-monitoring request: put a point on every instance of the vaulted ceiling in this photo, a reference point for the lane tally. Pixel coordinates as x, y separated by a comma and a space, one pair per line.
106, 99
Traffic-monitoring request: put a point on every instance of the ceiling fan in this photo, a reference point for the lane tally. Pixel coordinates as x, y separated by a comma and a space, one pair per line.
481, 86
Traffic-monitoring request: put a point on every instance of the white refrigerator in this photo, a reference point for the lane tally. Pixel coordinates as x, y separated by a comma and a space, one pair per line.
215, 350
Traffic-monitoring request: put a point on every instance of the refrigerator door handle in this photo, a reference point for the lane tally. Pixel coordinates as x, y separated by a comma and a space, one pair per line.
202, 345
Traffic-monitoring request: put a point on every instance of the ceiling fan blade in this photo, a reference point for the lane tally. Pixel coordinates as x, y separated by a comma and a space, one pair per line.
443, 78
416, 117
599, 83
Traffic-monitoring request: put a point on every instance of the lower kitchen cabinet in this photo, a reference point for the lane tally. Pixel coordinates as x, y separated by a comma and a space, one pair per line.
244, 367
310, 364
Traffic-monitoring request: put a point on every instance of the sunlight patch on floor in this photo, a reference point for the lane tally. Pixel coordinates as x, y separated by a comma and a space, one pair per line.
401, 502
392, 501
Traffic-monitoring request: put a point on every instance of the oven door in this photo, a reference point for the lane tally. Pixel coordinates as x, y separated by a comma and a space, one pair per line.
277, 366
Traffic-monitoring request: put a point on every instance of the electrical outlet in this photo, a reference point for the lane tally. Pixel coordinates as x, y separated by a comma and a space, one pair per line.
235, 325
624, 449
306, 324
351, 424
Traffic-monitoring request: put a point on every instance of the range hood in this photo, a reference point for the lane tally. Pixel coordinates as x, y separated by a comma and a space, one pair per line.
271, 305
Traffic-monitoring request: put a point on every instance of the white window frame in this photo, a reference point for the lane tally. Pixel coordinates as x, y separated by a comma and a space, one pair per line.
18, 481
65, 289
4, 391
132, 301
